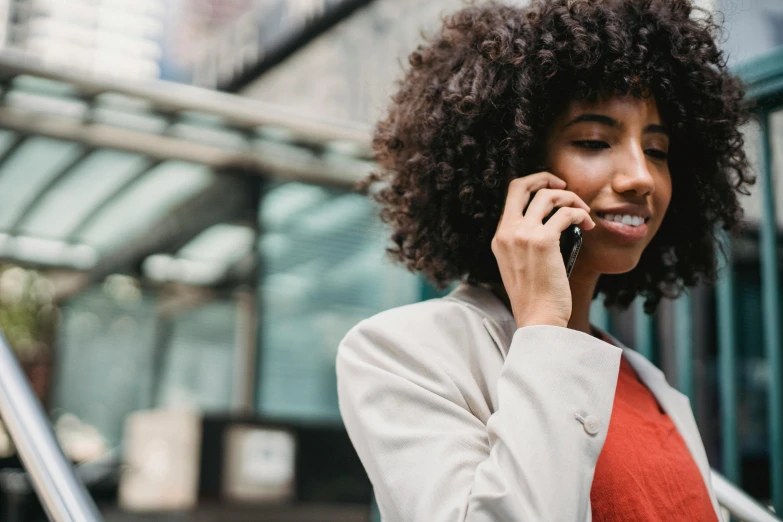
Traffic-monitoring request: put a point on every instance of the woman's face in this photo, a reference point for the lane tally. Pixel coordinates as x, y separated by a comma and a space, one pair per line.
613, 154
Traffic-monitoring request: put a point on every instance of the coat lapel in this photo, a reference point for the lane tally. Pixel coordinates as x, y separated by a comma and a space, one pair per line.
498, 321
501, 332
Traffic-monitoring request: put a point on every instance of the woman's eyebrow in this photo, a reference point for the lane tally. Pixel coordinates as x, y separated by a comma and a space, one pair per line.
611, 122
657, 128
593, 118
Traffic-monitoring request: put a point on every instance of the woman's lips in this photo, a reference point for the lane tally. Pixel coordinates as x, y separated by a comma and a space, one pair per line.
625, 233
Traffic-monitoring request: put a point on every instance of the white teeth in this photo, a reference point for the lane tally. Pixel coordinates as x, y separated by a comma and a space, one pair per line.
633, 221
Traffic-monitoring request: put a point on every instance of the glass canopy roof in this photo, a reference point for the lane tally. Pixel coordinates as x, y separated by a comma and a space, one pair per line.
99, 176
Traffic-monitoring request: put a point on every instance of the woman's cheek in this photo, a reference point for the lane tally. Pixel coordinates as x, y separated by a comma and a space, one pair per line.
587, 176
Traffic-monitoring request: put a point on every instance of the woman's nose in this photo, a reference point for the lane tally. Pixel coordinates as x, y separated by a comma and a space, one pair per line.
633, 174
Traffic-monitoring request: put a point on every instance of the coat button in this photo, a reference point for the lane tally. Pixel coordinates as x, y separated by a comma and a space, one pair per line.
592, 424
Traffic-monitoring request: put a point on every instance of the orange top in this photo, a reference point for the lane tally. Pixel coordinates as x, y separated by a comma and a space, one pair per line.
645, 472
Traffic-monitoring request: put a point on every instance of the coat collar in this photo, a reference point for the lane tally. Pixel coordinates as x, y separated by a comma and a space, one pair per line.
501, 326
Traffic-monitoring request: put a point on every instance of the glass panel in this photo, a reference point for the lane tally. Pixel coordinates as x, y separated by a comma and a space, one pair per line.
94, 179
323, 270
48, 252
6, 140
139, 121
771, 299
146, 202
776, 134
44, 86
206, 259
199, 363
220, 244
27, 171
752, 382
40, 103
751, 204
285, 201
755, 375
123, 102
104, 352
209, 135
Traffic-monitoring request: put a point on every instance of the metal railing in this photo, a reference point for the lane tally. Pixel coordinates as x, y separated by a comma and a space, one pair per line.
738, 503
62, 495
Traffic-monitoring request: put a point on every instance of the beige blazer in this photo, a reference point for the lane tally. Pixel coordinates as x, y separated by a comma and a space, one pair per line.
458, 415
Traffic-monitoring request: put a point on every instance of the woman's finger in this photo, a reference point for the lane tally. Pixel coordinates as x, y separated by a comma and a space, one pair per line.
519, 191
547, 199
567, 216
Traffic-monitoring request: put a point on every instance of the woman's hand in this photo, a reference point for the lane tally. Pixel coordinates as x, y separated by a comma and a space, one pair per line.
528, 251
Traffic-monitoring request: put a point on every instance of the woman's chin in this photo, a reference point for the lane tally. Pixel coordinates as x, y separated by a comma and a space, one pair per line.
615, 271
619, 264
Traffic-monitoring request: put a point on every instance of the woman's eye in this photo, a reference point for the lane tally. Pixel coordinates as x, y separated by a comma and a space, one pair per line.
592, 144
657, 154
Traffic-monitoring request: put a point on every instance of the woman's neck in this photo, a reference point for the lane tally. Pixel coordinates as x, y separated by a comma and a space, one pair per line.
582, 289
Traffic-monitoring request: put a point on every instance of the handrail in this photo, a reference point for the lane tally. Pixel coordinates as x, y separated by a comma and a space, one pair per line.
63, 496
739, 503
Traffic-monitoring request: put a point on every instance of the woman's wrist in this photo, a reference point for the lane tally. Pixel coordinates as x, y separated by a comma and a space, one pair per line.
540, 321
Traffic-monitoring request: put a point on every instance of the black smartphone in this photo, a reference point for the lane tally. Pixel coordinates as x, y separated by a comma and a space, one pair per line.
570, 242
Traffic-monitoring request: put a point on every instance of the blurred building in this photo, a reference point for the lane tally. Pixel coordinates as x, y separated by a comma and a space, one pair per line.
112, 38
210, 43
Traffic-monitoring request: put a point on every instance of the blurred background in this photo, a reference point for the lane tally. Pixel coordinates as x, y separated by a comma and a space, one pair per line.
181, 251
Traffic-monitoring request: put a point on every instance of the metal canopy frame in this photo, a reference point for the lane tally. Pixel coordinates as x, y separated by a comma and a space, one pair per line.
98, 209
173, 98
263, 141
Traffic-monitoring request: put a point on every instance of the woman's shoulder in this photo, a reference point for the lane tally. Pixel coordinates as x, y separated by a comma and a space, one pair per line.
440, 345
428, 321
438, 329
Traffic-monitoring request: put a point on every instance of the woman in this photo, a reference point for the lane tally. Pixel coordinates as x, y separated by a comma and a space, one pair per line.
500, 402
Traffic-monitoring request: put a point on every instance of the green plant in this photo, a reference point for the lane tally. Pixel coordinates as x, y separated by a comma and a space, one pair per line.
27, 314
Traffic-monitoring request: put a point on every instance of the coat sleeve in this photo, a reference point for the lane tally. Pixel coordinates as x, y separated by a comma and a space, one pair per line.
431, 460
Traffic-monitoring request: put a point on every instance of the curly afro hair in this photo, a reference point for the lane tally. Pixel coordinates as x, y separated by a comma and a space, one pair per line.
472, 110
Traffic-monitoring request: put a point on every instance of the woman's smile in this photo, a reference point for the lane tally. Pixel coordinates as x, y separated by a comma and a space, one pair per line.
619, 227
627, 223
